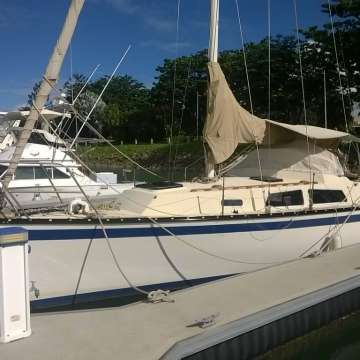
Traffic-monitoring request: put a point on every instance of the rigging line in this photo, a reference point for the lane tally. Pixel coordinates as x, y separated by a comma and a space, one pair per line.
109, 185
109, 143
174, 85
71, 73
208, 252
269, 78
302, 83
101, 94
61, 130
96, 132
64, 124
101, 136
345, 69
336, 228
338, 66
86, 83
269, 59
113, 255
82, 269
182, 113
248, 82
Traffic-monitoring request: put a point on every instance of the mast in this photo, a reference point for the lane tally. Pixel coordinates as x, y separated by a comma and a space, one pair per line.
325, 102
213, 57
48, 82
214, 31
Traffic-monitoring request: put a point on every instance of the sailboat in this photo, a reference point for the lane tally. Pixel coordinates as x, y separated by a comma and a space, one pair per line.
287, 197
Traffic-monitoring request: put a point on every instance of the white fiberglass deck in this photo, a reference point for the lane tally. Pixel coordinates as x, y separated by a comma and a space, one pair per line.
148, 331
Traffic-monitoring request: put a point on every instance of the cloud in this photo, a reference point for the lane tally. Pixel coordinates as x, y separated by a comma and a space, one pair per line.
152, 14
166, 46
125, 6
160, 24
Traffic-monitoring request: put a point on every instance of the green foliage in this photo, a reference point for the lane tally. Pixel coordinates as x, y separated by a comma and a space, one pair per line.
153, 155
176, 105
346, 16
345, 9
32, 95
124, 112
131, 111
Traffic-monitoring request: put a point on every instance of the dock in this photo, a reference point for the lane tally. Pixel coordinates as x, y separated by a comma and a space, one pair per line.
234, 318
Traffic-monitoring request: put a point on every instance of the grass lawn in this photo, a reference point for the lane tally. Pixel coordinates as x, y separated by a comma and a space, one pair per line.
150, 155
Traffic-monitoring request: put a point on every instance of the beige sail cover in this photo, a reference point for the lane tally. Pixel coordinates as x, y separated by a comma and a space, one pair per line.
227, 123
291, 160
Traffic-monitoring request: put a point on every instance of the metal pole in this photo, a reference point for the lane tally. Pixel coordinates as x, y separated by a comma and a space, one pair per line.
213, 57
84, 86
100, 96
50, 78
214, 31
197, 116
223, 196
325, 102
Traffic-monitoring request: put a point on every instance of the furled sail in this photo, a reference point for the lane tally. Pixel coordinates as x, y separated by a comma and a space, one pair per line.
228, 124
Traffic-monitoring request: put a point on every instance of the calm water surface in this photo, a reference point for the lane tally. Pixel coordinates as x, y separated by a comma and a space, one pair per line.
340, 340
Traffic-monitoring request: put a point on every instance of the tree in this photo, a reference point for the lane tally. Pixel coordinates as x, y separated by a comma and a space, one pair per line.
128, 106
73, 86
32, 95
123, 109
176, 106
346, 16
130, 110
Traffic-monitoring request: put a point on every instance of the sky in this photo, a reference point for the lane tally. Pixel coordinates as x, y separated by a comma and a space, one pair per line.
29, 30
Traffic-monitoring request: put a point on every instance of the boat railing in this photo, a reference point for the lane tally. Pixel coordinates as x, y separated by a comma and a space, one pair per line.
191, 165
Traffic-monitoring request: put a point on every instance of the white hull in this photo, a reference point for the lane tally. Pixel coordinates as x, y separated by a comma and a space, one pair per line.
149, 256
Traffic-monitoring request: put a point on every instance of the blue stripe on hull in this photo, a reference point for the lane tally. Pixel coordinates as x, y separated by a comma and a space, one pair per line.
124, 231
98, 296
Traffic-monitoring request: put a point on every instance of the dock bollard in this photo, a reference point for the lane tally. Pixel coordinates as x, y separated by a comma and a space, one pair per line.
14, 285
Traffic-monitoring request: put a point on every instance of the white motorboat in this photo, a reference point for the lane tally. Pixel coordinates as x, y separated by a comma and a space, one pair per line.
48, 175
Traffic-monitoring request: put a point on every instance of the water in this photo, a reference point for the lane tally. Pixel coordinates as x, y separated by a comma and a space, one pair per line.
340, 340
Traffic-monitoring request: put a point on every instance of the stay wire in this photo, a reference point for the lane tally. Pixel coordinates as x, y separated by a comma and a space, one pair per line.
338, 66
346, 72
302, 86
174, 86
269, 59
182, 113
96, 132
112, 252
248, 82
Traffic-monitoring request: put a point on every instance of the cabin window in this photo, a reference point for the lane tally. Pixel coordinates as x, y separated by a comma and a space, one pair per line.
286, 198
232, 202
41, 173
2, 169
326, 196
24, 173
59, 174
